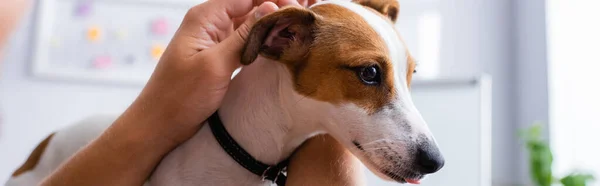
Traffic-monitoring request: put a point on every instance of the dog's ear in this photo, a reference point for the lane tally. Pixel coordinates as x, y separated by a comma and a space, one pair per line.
283, 35
389, 8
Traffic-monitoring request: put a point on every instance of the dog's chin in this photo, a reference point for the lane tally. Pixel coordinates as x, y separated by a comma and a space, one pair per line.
389, 175
393, 176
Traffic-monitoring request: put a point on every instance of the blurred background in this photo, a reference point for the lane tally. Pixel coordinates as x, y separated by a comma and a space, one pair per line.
487, 69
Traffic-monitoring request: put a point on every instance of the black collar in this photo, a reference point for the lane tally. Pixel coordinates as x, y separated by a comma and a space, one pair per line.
275, 173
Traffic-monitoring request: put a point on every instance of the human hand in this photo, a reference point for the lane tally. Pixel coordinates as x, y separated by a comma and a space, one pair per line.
194, 72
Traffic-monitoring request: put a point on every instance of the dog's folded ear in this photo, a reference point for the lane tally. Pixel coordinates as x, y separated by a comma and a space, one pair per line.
389, 8
283, 35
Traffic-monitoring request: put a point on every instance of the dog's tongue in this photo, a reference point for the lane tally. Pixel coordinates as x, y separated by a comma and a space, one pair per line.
411, 181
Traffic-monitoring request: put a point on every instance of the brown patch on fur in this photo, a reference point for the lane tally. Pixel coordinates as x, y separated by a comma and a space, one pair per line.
34, 158
344, 40
389, 8
323, 150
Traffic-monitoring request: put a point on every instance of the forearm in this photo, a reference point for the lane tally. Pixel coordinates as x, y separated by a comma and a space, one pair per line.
125, 154
323, 161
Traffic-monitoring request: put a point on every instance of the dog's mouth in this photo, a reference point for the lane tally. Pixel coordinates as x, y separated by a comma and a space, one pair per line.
412, 180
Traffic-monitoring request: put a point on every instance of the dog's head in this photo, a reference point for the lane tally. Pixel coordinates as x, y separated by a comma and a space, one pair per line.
351, 68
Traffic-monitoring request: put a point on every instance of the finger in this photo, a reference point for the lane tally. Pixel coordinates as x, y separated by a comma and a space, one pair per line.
240, 20
303, 3
282, 3
312, 2
239, 8
230, 49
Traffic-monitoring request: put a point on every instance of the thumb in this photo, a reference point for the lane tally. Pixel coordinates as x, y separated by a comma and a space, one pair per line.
232, 46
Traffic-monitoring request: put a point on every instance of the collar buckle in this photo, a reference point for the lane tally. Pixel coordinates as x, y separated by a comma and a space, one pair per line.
265, 175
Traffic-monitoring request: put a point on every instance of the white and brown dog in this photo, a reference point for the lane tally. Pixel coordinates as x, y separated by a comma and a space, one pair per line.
338, 67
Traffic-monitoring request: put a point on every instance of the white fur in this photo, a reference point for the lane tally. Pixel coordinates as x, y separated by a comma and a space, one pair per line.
63, 144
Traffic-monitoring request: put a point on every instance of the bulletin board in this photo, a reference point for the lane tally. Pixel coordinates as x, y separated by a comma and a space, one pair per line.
116, 41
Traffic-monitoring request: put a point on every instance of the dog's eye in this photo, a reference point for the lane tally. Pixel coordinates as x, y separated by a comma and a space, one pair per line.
369, 75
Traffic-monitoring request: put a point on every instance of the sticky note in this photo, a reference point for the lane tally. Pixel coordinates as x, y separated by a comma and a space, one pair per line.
102, 62
160, 27
156, 51
94, 34
83, 8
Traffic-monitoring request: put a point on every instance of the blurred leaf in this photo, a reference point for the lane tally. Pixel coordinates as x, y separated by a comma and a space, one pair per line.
540, 156
576, 179
540, 160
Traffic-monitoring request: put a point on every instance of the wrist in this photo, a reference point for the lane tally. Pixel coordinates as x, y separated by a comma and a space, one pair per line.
164, 125
137, 135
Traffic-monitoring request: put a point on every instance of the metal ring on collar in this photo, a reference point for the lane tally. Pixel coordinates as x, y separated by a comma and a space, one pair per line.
277, 177
264, 174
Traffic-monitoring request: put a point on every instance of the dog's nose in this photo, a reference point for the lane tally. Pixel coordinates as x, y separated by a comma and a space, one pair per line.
429, 160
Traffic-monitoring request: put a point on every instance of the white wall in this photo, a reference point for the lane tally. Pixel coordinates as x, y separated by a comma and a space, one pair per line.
574, 63
507, 40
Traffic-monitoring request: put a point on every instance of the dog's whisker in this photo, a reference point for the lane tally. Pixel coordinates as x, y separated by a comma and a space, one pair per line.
374, 141
372, 145
374, 148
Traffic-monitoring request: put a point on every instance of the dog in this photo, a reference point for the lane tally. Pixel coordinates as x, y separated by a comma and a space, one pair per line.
337, 67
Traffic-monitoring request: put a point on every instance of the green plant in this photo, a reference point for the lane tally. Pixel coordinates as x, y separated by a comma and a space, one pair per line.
540, 161
540, 156
576, 179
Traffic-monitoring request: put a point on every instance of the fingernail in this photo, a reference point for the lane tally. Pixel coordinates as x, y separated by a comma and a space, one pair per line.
259, 13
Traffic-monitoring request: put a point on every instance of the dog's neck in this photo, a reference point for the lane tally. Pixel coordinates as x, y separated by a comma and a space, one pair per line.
260, 112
